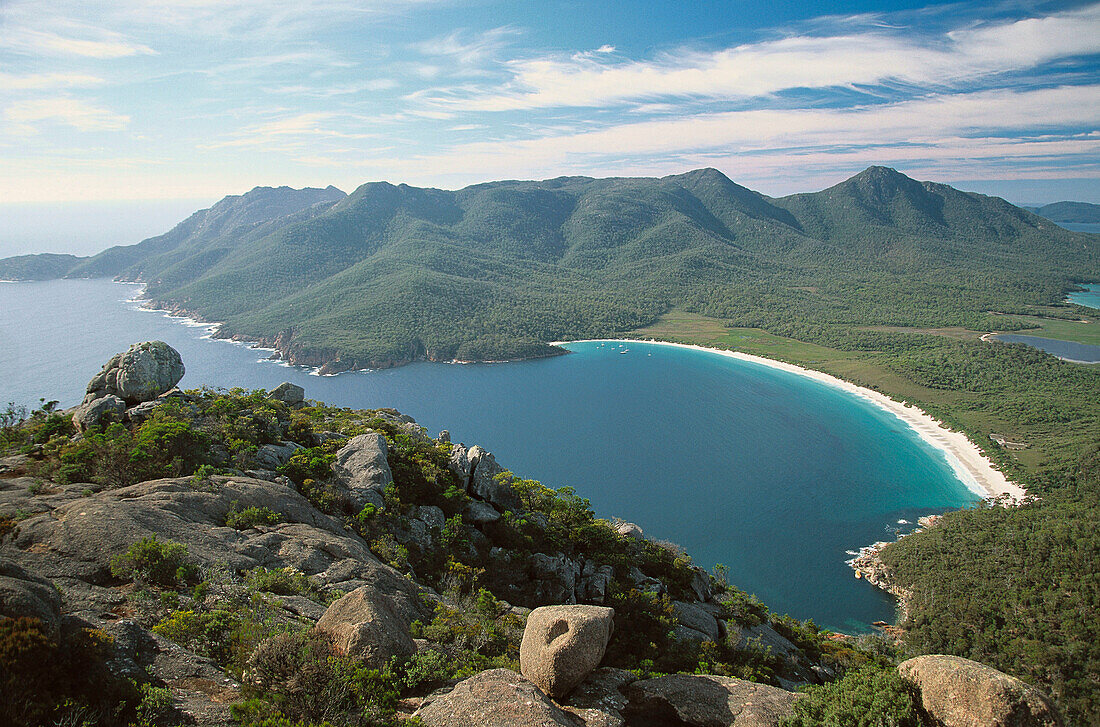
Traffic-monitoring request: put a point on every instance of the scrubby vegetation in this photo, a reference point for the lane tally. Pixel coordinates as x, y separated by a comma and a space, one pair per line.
871, 696
62, 678
1016, 588
291, 674
154, 562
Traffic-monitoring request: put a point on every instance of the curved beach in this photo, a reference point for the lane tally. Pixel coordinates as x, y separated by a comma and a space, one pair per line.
971, 467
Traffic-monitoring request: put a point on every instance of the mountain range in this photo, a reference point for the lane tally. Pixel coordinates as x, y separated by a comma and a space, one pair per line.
393, 273
1071, 212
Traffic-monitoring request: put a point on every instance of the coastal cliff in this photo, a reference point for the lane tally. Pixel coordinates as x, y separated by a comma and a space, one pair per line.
258, 558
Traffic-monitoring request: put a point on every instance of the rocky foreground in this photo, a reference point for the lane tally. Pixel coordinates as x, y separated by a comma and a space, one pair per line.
305, 565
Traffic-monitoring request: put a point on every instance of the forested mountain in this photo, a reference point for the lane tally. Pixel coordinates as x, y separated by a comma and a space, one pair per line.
203, 238
1073, 212
44, 266
393, 273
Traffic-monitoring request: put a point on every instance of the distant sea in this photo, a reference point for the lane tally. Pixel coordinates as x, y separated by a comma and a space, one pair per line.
1090, 296
776, 476
1066, 350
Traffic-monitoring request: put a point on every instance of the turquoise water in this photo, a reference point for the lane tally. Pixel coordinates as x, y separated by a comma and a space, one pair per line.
770, 473
1066, 350
1090, 296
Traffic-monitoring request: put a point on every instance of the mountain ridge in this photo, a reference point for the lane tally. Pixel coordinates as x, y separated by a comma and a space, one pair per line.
392, 273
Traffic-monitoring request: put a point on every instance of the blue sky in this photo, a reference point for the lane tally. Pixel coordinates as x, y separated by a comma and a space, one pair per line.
195, 99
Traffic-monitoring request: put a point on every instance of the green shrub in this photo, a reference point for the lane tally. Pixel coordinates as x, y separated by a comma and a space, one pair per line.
871, 696
159, 563
314, 463
250, 517
301, 677
282, 582
155, 703
204, 632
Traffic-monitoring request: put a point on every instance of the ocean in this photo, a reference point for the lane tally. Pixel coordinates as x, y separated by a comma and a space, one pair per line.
774, 475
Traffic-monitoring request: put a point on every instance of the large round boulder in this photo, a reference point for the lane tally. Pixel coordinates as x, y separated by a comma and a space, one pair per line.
372, 622
563, 644
958, 692
141, 373
147, 370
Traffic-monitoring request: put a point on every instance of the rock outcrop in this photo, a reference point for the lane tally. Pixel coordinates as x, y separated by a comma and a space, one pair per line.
288, 393
599, 700
563, 644
703, 700
107, 408
141, 373
25, 594
957, 692
72, 536
485, 485
373, 621
494, 698
363, 469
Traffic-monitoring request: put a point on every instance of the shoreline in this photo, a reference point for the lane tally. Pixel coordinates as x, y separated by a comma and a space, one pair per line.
964, 457
966, 460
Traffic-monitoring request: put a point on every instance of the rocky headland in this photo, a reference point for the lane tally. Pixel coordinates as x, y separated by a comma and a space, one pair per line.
256, 558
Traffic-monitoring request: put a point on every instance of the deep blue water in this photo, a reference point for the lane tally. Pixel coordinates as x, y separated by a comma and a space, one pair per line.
1068, 350
770, 473
1090, 296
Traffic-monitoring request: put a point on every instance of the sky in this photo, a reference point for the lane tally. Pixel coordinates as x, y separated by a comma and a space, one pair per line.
185, 101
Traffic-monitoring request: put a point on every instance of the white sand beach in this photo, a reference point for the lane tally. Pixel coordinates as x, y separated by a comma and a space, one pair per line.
968, 462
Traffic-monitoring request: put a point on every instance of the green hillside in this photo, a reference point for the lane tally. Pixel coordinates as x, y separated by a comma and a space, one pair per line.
44, 266
393, 273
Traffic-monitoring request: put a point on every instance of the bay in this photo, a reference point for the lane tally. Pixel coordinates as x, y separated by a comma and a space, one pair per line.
772, 474
1089, 297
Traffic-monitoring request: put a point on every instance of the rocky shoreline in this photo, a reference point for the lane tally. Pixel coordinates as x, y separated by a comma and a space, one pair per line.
324, 361
869, 566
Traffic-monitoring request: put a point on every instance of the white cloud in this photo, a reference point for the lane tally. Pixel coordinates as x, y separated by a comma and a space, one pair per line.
329, 91
68, 111
292, 133
853, 59
468, 49
978, 127
38, 42
35, 81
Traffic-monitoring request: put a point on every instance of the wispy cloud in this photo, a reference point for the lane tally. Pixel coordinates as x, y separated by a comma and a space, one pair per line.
872, 56
36, 81
40, 42
466, 48
26, 115
293, 132
977, 126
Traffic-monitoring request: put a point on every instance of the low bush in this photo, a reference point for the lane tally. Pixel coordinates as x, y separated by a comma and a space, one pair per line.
282, 582
159, 563
250, 517
871, 696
